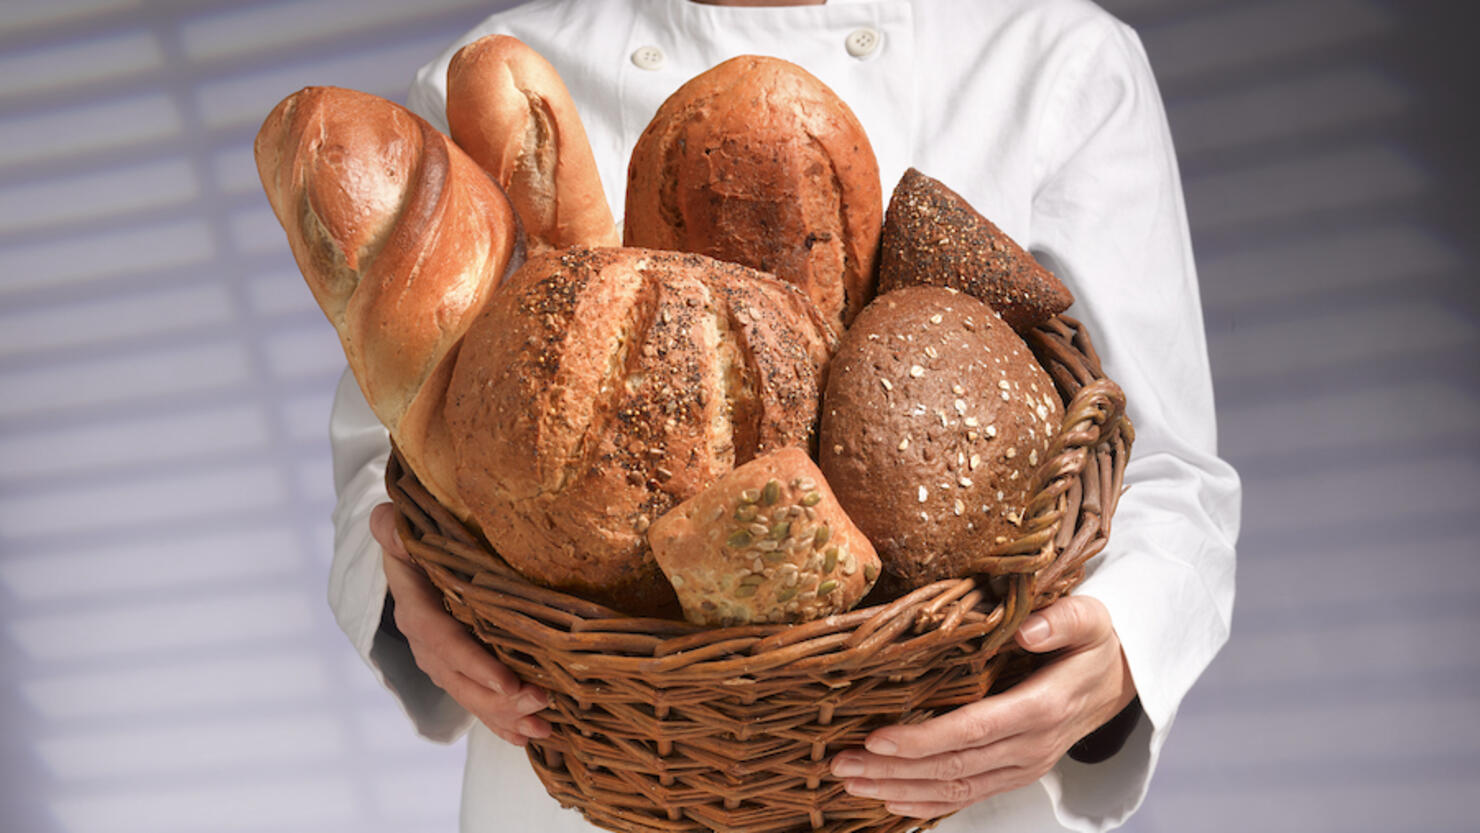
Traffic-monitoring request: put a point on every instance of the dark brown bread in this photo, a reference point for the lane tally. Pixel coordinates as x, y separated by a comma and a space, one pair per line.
401, 237
935, 416
757, 162
601, 387
934, 237
765, 543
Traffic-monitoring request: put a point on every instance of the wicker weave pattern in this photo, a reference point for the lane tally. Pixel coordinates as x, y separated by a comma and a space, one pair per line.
664, 726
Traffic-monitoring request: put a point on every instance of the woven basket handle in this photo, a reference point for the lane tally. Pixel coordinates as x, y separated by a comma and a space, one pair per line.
1095, 413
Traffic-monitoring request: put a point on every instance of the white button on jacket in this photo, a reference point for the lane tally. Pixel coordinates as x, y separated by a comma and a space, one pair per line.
861, 43
648, 57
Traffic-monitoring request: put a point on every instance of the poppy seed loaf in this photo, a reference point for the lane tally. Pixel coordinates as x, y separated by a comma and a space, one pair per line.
600, 387
935, 415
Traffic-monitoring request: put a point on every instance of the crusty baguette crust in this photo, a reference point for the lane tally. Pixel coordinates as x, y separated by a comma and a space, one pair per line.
936, 415
933, 237
758, 162
508, 108
601, 387
401, 238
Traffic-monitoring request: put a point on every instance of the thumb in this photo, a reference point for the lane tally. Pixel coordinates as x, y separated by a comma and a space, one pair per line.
1068, 622
383, 528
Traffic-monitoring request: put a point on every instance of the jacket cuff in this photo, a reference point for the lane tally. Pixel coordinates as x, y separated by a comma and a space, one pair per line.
1102, 744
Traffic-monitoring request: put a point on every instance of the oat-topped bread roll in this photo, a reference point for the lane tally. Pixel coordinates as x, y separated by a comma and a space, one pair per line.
401, 238
765, 543
508, 108
601, 387
935, 416
757, 162
934, 237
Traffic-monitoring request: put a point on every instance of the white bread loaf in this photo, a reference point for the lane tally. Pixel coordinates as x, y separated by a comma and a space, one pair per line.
508, 108
401, 237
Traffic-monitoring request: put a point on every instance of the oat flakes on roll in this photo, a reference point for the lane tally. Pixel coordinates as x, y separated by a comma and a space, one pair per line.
933, 237
601, 387
758, 162
767, 542
935, 416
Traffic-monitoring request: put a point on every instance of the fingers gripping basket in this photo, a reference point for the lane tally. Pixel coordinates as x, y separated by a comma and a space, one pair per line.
663, 726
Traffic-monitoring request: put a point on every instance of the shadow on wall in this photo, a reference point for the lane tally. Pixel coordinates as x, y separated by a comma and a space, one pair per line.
1326, 150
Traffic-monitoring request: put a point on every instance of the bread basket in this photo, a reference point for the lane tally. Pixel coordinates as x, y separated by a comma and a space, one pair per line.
664, 726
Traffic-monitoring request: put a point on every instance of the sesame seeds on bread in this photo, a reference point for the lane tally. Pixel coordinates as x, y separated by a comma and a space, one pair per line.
934, 417
933, 237
601, 387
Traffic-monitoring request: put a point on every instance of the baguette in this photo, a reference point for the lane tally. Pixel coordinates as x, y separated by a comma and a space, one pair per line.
508, 108
401, 239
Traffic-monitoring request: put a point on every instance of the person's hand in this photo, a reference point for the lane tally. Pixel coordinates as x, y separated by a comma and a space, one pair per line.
1008, 740
444, 649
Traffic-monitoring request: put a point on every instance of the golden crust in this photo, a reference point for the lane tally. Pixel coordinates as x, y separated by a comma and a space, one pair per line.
401, 239
767, 542
757, 162
508, 108
933, 237
601, 387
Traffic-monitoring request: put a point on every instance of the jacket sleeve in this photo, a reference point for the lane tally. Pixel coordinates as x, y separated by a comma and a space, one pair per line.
1109, 218
357, 586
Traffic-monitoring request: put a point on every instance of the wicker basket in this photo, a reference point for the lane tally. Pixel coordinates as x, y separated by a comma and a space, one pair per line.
664, 726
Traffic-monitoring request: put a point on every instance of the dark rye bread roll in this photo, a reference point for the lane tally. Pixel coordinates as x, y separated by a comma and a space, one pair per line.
765, 543
601, 387
933, 237
758, 162
936, 414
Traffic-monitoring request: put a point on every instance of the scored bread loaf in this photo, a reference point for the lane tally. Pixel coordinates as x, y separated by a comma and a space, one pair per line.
936, 415
757, 162
933, 237
601, 387
508, 108
765, 543
401, 238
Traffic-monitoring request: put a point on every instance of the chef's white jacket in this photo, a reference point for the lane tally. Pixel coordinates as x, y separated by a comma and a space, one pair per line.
1044, 115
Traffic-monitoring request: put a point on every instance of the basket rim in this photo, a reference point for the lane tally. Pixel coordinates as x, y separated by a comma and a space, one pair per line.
473, 577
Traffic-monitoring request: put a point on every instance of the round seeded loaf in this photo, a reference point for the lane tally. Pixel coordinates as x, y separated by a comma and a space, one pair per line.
601, 387
935, 415
765, 543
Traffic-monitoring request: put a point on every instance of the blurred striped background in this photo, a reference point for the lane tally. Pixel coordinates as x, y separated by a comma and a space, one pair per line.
167, 660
